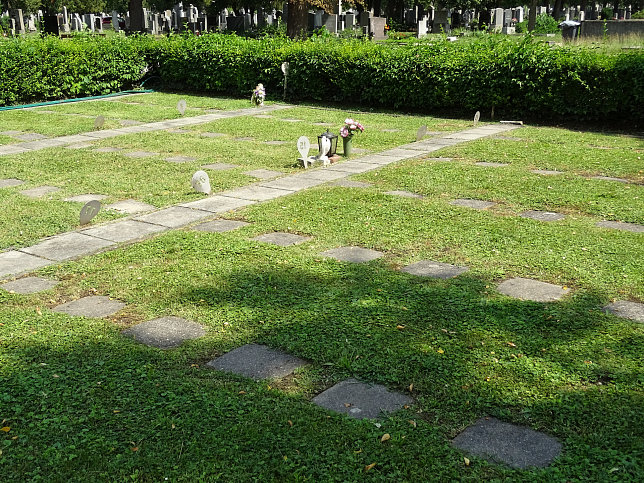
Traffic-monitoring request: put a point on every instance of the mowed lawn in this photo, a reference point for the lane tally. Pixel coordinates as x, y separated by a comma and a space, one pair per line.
81, 402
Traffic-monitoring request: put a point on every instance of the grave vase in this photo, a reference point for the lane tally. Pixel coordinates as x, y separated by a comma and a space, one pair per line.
347, 144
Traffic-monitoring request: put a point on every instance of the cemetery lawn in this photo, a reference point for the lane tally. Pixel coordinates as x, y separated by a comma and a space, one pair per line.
82, 402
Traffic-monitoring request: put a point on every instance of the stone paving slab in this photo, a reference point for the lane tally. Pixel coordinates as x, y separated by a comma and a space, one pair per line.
220, 226
165, 332
429, 268
68, 246
79, 146
11, 132
179, 131
108, 149
44, 144
440, 160
610, 178
282, 239
15, 263
527, 289
130, 206
217, 204
353, 254
257, 362
349, 183
180, 159
244, 138
77, 138
293, 183
475, 204
29, 136
174, 217
628, 310
263, 173
399, 153
9, 149
213, 135
124, 231
516, 446
219, 166
257, 193
129, 122
465, 136
546, 172
140, 154
542, 215
322, 174
29, 285
424, 146
360, 400
40, 191
489, 164
353, 167
85, 198
10, 182
93, 306
108, 133
404, 194
375, 159
275, 143
138, 129
618, 225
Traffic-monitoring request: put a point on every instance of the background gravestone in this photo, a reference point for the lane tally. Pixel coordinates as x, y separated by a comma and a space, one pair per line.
89, 211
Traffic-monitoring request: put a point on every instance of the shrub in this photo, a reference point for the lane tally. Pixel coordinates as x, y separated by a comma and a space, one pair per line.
545, 24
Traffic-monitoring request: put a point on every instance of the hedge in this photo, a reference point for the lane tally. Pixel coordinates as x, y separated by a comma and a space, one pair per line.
526, 79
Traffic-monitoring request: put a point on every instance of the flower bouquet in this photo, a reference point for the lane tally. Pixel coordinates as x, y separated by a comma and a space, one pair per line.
347, 131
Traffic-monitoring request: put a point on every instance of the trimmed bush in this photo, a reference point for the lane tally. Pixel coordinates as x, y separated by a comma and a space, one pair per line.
526, 78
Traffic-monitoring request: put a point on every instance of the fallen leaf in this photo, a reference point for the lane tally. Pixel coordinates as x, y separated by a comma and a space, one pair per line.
385, 437
411, 387
467, 462
369, 467
38, 311
6, 429
400, 327
290, 423
440, 351
136, 448
241, 392
358, 452
413, 423
347, 405
173, 426
512, 344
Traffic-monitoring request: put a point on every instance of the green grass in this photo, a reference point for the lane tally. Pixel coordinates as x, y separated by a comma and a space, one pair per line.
81, 402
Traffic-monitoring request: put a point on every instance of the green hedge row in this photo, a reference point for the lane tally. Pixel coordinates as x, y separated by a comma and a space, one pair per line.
525, 79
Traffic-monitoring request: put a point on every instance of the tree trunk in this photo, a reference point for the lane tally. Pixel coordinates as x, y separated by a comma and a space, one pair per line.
557, 9
298, 19
532, 16
136, 15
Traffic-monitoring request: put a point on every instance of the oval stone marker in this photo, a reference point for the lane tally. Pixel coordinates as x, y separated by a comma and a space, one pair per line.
181, 106
422, 132
201, 182
477, 117
89, 211
303, 146
285, 68
98, 122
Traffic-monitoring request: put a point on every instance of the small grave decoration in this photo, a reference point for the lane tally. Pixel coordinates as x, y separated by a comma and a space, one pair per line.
347, 131
258, 95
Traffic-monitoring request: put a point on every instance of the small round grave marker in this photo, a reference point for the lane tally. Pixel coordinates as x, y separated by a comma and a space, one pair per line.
181, 106
89, 211
98, 122
477, 117
303, 146
201, 182
285, 68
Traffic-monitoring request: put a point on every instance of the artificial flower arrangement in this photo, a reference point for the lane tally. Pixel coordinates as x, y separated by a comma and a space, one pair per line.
258, 95
350, 128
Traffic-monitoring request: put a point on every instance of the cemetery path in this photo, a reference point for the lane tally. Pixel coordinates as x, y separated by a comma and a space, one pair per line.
94, 239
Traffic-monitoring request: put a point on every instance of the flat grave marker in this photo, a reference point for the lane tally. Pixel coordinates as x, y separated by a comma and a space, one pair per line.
542, 215
404, 194
474, 204
257, 362
10, 182
97, 306
263, 173
220, 226
165, 332
282, 239
353, 254
429, 268
29, 285
527, 289
626, 309
130, 206
40, 191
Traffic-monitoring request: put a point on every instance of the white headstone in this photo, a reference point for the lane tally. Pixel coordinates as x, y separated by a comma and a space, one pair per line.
89, 211
201, 182
477, 116
181, 106
303, 146
285, 68
98, 122
422, 132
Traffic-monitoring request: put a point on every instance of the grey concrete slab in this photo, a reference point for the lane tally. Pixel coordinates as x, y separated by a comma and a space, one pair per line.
404, 194
244, 138
29, 136
165, 332
276, 143
129, 122
263, 173
618, 225
400, 153
68, 246
422, 147
180, 159
220, 226
108, 133
140, 154
179, 131
474, 204
29, 285
79, 146
322, 174
108, 149
263, 116
282, 239
610, 178
293, 183
44, 144
130, 206
440, 160
40, 191
527, 289
217, 204
10, 182
516, 446
349, 183
124, 231
542, 215
353, 254
361, 400
429, 268
463, 136
15, 263
490, 164
93, 306
546, 172
354, 167
628, 310
85, 198
139, 129
11, 132
219, 166
257, 193
9, 149
77, 138
213, 135
375, 159
257, 362
174, 217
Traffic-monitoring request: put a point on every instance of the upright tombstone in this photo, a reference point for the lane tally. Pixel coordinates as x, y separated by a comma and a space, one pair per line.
349, 20
440, 23
89, 211
377, 28
519, 14
181, 106
201, 182
364, 19
422, 27
497, 22
330, 22
90, 21
16, 15
115, 20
